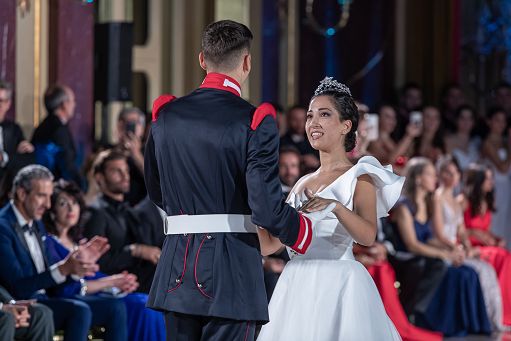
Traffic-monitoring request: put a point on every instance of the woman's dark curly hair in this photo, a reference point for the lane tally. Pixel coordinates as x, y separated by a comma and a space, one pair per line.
71, 189
474, 179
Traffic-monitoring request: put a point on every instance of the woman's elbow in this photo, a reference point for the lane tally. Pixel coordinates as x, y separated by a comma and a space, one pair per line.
368, 238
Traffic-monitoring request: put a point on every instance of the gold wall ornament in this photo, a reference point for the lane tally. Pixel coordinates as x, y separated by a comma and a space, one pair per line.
328, 31
24, 7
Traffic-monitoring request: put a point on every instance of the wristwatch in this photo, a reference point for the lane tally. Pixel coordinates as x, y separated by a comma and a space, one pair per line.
83, 287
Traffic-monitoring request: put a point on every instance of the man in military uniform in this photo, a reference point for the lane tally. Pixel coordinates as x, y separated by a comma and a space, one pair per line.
211, 164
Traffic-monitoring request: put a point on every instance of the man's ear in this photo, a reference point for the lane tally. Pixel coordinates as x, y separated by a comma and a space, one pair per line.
99, 179
247, 63
202, 61
21, 194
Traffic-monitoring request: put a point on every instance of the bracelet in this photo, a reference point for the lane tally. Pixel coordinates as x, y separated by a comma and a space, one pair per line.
83, 287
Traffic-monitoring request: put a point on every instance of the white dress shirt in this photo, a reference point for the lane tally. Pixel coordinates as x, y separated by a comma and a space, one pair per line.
35, 250
5, 158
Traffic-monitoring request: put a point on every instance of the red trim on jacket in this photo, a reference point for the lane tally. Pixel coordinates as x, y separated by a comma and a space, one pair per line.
160, 102
220, 81
304, 235
265, 109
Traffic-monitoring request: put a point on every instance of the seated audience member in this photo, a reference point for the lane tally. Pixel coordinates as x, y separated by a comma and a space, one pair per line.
296, 137
461, 143
153, 219
12, 140
289, 168
496, 150
385, 149
447, 301
452, 99
450, 233
374, 258
410, 99
478, 206
112, 217
430, 143
62, 222
24, 320
28, 275
52, 139
130, 131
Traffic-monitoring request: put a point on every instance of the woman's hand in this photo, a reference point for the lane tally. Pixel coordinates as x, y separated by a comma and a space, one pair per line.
315, 203
125, 281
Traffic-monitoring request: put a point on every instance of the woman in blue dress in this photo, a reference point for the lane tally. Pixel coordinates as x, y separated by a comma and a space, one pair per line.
437, 290
62, 222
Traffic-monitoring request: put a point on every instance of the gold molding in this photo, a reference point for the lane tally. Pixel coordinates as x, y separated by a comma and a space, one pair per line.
37, 60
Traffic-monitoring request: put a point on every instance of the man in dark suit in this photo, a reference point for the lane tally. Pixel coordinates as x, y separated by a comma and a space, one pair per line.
112, 217
25, 271
211, 164
52, 139
24, 320
13, 146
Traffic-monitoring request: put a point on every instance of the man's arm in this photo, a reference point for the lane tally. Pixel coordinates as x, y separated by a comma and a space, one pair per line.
151, 173
265, 196
11, 272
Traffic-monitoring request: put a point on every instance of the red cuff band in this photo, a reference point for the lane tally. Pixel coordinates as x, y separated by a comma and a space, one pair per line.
304, 235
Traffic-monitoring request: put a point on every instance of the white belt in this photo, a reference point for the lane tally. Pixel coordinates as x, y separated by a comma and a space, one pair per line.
209, 223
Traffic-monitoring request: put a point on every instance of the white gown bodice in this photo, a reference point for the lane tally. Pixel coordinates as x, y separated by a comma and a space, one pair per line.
330, 239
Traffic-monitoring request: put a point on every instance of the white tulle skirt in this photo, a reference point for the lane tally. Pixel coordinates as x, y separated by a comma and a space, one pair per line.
327, 300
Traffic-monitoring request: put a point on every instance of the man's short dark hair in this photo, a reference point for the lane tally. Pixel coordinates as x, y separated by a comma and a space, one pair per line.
289, 149
104, 158
4, 85
54, 96
223, 43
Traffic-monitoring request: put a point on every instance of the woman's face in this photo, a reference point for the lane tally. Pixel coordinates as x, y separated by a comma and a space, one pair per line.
387, 119
323, 126
488, 182
431, 121
465, 122
497, 123
67, 210
450, 176
427, 180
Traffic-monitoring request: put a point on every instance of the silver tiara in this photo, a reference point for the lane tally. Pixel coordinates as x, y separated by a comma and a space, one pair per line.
330, 84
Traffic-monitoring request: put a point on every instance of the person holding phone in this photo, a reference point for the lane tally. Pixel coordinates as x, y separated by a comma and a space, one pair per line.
130, 130
385, 148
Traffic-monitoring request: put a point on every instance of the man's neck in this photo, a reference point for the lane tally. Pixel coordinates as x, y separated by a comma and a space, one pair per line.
62, 117
231, 74
114, 196
19, 208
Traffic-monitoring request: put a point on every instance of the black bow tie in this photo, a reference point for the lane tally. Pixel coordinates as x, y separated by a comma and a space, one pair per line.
28, 228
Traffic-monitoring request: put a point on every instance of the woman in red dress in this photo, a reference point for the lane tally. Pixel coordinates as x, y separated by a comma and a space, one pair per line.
479, 205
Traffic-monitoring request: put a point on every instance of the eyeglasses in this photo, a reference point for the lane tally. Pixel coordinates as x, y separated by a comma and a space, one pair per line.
68, 203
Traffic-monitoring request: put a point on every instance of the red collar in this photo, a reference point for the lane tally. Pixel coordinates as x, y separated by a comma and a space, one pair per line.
222, 82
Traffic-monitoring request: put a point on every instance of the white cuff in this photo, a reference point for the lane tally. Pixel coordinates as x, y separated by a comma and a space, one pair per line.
57, 276
1, 305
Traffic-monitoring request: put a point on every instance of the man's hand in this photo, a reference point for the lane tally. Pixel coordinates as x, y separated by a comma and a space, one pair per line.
147, 252
25, 147
378, 251
20, 313
73, 265
92, 250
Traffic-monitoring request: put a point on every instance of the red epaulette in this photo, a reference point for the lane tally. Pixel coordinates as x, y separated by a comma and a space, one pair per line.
160, 102
265, 109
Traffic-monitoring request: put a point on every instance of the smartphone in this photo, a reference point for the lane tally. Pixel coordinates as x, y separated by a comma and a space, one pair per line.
130, 127
416, 118
371, 125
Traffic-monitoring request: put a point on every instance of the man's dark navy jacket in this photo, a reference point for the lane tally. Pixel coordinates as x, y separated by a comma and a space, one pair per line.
211, 152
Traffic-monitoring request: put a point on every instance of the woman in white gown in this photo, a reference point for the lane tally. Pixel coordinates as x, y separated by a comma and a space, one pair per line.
326, 294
